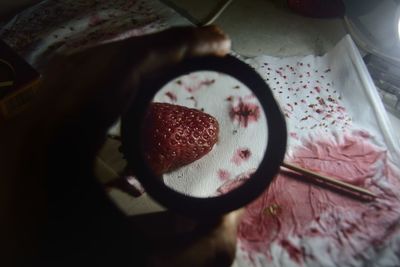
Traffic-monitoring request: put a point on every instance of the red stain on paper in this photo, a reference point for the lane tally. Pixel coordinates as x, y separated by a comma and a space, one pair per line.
171, 96
241, 155
245, 113
296, 209
199, 85
294, 135
294, 252
223, 175
300, 97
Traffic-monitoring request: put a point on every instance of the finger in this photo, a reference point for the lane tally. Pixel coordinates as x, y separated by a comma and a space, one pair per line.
166, 49
173, 45
103, 80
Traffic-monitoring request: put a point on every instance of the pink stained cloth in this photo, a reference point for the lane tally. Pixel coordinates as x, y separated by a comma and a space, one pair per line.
313, 225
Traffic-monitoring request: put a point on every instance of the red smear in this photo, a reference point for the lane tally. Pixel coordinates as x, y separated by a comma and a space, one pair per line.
290, 106
223, 175
245, 113
294, 208
304, 118
330, 99
171, 96
317, 89
199, 85
294, 253
207, 82
229, 98
194, 100
294, 135
241, 155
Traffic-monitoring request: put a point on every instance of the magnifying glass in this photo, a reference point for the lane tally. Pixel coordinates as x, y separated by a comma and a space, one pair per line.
206, 137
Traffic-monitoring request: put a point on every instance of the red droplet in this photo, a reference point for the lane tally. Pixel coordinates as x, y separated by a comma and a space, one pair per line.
294, 135
241, 155
171, 96
245, 113
199, 85
223, 175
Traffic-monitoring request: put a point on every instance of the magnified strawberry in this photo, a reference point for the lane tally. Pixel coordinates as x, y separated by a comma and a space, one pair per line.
175, 136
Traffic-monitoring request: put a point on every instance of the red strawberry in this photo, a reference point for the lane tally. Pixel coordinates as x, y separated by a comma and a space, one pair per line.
175, 136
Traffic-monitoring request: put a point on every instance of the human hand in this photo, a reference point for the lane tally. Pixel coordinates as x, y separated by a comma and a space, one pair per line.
173, 240
47, 153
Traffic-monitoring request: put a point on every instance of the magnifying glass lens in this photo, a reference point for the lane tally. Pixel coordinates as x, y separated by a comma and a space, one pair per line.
202, 130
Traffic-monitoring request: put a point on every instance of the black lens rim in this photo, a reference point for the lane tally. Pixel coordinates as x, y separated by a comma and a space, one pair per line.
217, 205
